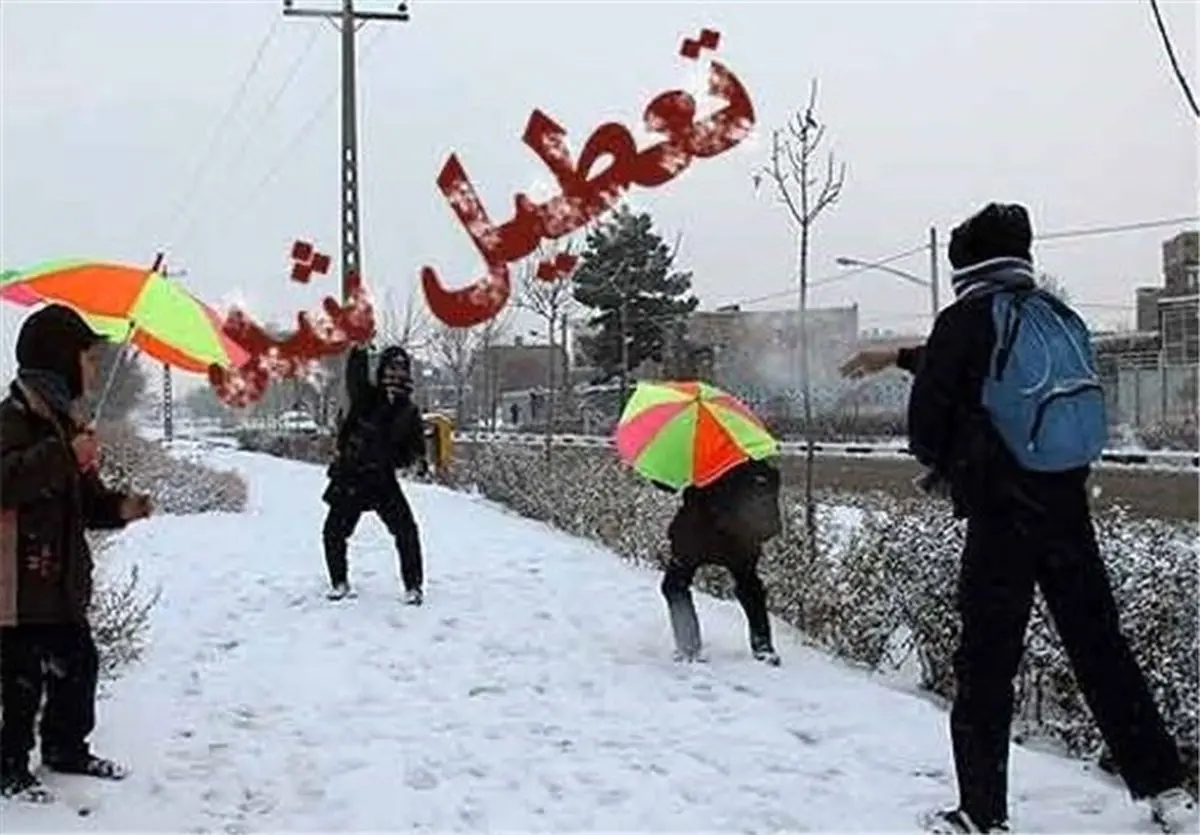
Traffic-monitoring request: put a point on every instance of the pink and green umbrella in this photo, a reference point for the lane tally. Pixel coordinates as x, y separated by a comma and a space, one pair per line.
134, 304
689, 433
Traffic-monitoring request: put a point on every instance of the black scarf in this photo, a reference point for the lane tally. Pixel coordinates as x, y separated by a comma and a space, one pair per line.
49, 386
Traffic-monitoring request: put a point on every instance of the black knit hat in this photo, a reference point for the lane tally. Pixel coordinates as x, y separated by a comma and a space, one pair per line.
51, 339
999, 230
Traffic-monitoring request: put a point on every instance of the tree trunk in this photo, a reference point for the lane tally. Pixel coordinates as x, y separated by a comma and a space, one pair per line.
810, 510
550, 386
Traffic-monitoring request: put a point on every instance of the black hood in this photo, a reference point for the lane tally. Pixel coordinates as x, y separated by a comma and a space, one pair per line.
393, 355
998, 230
51, 340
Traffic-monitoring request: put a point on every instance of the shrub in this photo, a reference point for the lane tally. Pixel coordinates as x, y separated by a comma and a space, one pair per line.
129, 462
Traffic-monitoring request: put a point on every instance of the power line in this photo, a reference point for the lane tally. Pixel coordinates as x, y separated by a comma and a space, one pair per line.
208, 155
842, 275
264, 114
298, 137
1125, 227
1174, 61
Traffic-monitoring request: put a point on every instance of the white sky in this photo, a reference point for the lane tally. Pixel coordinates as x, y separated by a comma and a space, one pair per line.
936, 107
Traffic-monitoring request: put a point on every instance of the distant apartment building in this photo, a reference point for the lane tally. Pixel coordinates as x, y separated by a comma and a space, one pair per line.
757, 354
519, 367
1147, 309
1178, 307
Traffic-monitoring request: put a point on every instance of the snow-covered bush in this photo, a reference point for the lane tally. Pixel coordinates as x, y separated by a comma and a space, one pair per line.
886, 580
120, 613
130, 462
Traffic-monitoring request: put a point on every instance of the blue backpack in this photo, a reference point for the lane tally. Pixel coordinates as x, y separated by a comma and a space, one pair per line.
1042, 393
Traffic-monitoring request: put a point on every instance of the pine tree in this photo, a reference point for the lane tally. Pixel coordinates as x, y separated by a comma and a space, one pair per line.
625, 275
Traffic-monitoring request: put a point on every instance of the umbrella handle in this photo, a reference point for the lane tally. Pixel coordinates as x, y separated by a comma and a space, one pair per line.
112, 373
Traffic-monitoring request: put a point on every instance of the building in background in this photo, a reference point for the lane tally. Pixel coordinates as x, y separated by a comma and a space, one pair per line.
1177, 305
500, 370
1147, 309
756, 355
1149, 374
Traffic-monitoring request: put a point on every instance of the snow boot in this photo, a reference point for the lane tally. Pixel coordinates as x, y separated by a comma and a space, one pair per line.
958, 822
19, 783
1174, 811
414, 597
763, 651
340, 591
85, 765
767, 656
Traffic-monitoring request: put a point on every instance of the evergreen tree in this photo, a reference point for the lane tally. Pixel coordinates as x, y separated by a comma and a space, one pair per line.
625, 275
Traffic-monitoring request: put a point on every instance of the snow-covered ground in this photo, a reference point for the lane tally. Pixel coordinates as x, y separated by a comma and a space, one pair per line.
534, 691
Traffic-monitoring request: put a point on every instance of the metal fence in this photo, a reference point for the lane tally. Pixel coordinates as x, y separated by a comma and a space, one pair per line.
1152, 396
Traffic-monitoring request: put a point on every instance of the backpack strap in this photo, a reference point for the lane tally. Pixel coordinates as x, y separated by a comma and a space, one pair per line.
1012, 324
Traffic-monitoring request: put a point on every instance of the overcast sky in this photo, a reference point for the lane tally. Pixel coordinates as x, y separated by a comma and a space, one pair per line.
937, 108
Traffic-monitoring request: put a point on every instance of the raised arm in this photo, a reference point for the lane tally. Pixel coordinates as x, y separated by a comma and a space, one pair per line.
358, 374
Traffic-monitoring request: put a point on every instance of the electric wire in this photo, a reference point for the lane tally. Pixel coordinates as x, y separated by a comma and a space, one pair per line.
206, 158
1069, 234
1174, 61
240, 151
260, 188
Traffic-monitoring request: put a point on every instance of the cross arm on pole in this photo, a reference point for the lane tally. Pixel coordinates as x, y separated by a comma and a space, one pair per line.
401, 13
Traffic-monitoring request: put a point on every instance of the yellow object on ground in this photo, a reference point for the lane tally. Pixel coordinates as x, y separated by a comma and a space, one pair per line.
440, 430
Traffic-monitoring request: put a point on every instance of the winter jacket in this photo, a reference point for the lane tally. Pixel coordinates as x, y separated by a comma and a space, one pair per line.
376, 437
949, 430
726, 522
46, 504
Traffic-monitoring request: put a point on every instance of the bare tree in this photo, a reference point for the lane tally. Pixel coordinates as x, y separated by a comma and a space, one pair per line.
456, 350
406, 323
551, 301
806, 191
490, 334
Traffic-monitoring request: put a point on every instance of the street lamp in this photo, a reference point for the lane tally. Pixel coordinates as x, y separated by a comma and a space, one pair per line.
931, 282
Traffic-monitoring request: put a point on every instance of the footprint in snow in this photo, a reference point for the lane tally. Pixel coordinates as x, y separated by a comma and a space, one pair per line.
421, 779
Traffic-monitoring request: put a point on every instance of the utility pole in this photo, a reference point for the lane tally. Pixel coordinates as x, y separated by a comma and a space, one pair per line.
933, 272
168, 406
347, 21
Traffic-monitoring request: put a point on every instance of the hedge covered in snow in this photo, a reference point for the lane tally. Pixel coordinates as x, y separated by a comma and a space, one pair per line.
880, 593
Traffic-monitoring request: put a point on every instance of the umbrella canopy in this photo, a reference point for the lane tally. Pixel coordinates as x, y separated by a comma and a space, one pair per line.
126, 302
689, 433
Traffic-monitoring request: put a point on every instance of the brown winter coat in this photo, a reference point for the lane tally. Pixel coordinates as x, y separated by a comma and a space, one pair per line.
46, 503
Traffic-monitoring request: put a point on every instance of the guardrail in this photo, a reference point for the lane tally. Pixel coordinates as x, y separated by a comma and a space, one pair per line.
1158, 459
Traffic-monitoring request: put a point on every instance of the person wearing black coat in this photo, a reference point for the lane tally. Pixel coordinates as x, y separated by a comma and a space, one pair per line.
381, 433
724, 523
1025, 529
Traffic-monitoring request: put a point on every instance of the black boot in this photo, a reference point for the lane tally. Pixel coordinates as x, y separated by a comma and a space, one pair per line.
85, 764
17, 781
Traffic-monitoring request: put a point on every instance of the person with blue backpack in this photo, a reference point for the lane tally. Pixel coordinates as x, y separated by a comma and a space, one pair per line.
1007, 415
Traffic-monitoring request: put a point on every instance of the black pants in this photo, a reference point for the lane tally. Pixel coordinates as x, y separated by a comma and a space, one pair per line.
1006, 556
61, 662
348, 502
747, 587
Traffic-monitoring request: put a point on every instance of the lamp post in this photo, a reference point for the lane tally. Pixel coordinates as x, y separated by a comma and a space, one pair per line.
931, 282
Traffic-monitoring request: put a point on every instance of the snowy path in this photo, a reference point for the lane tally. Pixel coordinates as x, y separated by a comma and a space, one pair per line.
534, 691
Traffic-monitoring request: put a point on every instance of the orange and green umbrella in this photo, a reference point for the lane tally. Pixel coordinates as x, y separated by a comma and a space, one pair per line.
134, 304
689, 433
